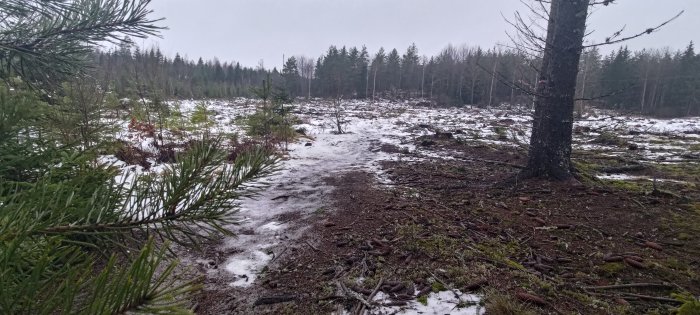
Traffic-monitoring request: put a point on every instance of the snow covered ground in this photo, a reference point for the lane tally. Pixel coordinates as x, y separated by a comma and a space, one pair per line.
299, 188
445, 302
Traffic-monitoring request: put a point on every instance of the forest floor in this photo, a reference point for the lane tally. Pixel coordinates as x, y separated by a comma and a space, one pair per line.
406, 213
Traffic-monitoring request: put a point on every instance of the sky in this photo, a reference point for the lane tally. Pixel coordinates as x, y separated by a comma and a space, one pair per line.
248, 31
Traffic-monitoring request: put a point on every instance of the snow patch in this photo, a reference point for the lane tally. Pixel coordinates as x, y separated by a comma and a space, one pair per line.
246, 268
445, 302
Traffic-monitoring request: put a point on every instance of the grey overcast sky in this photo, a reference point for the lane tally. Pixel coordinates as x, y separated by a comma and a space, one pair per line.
252, 30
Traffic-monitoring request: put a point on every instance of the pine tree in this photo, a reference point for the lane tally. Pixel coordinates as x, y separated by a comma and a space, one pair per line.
393, 69
409, 68
377, 71
290, 73
73, 238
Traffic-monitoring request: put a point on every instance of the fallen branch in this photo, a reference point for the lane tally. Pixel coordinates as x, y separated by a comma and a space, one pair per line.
310, 245
267, 300
278, 255
652, 298
446, 286
629, 285
623, 169
285, 197
353, 294
489, 161
371, 296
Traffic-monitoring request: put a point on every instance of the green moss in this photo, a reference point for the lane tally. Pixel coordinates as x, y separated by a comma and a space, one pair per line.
695, 207
437, 287
694, 147
609, 138
674, 263
585, 167
627, 185
691, 305
320, 210
423, 300
611, 269
436, 245
514, 264
501, 133
684, 236
498, 303
689, 171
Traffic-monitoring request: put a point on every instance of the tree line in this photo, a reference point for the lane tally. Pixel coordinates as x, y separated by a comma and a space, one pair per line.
655, 82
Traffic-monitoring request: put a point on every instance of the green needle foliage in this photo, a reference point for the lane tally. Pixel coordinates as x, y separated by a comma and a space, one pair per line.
44, 40
52, 230
77, 236
272, 121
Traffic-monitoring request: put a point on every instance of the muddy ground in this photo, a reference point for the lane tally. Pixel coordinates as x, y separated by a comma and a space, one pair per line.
448, 224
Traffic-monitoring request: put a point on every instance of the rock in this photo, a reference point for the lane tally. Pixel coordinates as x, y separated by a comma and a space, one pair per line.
633, 147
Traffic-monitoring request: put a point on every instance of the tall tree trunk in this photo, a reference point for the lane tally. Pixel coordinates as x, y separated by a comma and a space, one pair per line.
461, 78
582, 103
374, 83
422, 82
493, 79
644, 90
367, 84
512, 87
550, 142
471, 102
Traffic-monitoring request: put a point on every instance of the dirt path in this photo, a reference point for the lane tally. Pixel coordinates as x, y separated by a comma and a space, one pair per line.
439, 231
272, 222
400, 201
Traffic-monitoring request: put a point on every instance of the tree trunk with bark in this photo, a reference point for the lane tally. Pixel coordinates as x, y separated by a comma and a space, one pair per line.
550, 142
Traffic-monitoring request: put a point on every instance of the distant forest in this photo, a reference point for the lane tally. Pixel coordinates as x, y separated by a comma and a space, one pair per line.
654, 82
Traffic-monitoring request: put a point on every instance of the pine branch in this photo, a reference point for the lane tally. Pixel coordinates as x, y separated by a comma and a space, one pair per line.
46, 40
140, 288
195, 197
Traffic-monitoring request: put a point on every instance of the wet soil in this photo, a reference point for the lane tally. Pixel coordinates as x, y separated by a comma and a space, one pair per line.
585, 247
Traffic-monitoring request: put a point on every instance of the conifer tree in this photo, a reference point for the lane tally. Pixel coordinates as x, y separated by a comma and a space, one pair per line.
74, 239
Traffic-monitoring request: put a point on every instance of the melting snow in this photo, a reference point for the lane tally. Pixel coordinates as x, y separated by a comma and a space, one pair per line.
441, 303
299, 188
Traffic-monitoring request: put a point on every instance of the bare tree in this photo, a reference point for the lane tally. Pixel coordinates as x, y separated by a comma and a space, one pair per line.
338, 115
550, 142
549, 153
306, 67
